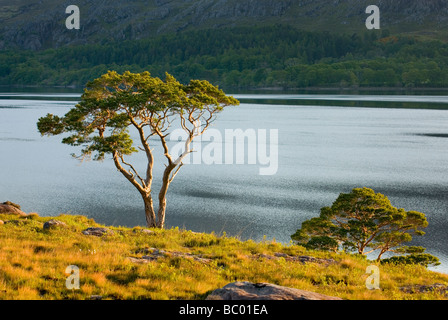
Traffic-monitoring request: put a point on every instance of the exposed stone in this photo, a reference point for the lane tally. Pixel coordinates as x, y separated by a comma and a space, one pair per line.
53, 224
417, 288
6, 208
152, 254
146, 231
138, 260
98, 232
264, 291
96, 297
302, 259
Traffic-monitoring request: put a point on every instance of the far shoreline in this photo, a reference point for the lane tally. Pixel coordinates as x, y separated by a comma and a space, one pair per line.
353, 89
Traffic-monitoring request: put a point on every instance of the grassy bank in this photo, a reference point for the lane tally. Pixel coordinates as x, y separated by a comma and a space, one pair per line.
33, 261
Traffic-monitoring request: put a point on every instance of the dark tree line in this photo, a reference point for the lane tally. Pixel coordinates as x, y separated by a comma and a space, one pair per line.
244, 57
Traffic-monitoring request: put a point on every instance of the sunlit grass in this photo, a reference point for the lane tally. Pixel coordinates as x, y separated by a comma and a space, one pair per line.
33, 263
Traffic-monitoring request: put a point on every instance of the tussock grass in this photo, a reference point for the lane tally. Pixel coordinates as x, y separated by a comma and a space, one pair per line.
33, 263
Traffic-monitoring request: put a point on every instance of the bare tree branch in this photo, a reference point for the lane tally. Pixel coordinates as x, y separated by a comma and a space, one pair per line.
127, 174
135, 171
175, 172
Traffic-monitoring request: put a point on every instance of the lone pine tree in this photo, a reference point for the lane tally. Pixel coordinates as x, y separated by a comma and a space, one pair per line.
363, 221
113, 103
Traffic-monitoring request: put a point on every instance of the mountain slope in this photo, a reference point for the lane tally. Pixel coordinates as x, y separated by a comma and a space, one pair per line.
38, 25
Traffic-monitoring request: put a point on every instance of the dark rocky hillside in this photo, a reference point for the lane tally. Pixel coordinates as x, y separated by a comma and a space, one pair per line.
35, 25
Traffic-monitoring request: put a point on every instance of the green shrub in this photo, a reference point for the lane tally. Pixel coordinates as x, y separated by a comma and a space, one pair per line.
424, 259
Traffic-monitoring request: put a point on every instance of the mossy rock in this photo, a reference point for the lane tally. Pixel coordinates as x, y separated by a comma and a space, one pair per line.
98, 231
53, 223
11, 208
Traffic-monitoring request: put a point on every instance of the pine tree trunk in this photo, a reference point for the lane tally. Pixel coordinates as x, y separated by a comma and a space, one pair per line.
162, 196
149, 212
380, 254
161, 214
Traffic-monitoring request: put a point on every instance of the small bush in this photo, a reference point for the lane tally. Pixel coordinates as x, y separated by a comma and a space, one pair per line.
201, 242
424, 259
124, 278
32, 216
39, 249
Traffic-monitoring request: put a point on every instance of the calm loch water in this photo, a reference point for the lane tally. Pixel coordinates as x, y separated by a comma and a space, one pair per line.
327, 144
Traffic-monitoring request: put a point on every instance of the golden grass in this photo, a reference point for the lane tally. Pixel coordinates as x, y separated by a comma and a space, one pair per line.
33, 264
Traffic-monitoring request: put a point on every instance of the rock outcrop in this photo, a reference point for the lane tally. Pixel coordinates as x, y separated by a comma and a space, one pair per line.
263, 291
53, 223
98, 232
144, 231
436, 288
152, 254
301, 259
10, 208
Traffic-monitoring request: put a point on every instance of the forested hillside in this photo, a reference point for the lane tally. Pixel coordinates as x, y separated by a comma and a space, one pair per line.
279, 56
38, 25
